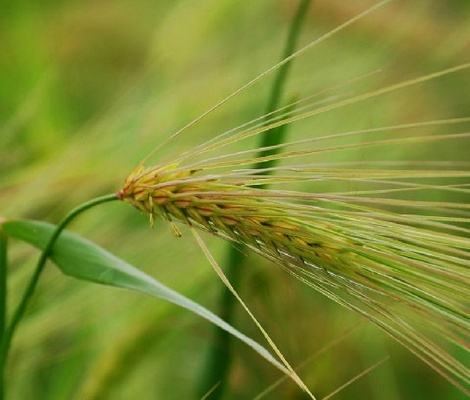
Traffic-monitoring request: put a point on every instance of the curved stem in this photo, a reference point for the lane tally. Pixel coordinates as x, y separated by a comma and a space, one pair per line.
21, 308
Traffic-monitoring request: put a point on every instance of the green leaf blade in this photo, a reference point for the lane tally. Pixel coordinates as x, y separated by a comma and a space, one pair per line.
82, 259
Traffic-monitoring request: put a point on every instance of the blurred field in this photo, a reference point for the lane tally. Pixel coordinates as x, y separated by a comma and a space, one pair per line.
88, 88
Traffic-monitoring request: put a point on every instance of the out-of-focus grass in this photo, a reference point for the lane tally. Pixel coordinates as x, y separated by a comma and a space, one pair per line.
88, 88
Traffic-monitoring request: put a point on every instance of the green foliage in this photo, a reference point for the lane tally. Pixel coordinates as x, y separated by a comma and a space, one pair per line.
82, 259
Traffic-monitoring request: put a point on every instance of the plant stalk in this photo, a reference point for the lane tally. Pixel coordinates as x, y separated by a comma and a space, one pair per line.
219, 358
3, 292
3, 281
29, 291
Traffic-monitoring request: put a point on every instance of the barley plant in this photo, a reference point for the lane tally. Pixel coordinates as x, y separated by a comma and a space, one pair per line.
354, 181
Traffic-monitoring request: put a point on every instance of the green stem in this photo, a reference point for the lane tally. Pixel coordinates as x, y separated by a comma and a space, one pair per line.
29, 291
276, 136
219, 358
3, 292
3, 281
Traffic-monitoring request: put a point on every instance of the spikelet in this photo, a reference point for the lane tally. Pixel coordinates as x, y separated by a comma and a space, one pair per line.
401, 263
409, 280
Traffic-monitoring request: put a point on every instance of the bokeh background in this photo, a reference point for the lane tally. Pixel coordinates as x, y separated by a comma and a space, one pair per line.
88, 88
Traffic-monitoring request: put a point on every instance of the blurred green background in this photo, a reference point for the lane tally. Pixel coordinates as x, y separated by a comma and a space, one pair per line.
88, 88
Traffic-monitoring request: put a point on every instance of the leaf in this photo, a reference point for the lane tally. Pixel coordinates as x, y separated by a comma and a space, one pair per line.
82, 259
